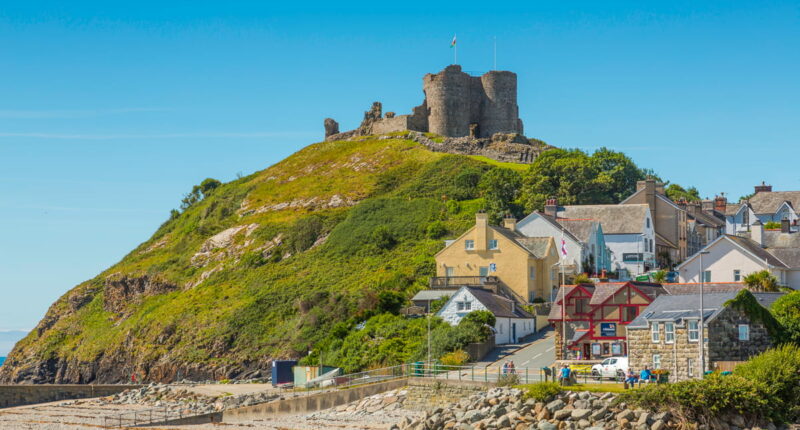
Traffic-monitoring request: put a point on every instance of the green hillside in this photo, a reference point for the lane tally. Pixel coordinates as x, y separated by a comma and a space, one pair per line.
315, 240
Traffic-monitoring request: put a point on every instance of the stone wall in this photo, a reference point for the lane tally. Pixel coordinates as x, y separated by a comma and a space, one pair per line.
423, 395
674, 356
723, 338
19, 395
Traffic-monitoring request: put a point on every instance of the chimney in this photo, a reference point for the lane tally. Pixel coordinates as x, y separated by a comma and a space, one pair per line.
757, 232
693, 207
763, 188
785, 226
481, 230
720, 203
707, 205
510, 222
649, 187
551, 207
640, 185
682, 203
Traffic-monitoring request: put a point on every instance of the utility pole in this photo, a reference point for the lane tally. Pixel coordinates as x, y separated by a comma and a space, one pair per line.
702, 323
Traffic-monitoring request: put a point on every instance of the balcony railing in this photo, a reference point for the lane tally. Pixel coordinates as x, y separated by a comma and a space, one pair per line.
460, 281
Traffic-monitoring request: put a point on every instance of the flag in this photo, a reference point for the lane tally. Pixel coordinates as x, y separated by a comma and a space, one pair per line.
453, 43
563, 247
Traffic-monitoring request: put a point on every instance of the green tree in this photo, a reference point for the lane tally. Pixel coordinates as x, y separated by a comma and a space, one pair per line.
761, 281
199, 192
390, 302
499, 188
787, 311
383, 238
660, 276
676, 192
575, 177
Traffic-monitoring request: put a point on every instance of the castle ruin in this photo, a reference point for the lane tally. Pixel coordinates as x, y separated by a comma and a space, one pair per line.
456, 105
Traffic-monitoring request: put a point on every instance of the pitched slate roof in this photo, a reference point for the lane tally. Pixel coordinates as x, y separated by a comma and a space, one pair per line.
603, 291
688, 288
579, 228
789, 256
776, 239
677, 308
558, 224
615, 219
732, 208
498, 305
706, 219
756, 250
436, 294
537, 246
767, 202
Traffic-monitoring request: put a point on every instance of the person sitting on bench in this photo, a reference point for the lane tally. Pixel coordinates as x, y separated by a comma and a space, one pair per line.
645, 376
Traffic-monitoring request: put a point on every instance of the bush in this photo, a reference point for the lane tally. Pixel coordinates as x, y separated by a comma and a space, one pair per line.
253, 260
456, 358
508, 380
304, 233
480, 318
787, 311
778, 370
543, 391
383, 238
438, 304
390, 302
435, 230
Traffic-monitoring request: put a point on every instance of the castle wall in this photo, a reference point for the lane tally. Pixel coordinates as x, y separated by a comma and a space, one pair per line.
451, 100
499, 113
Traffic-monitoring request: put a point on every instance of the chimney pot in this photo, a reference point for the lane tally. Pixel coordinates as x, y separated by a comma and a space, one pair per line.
551, 207
763, 188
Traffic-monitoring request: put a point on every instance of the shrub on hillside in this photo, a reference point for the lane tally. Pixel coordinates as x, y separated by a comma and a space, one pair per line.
390, 302
383, 238
304, 233
543, 391
435, 230
253, 259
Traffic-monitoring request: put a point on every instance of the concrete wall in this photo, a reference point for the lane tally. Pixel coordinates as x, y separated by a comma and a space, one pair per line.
19, 395
620, 244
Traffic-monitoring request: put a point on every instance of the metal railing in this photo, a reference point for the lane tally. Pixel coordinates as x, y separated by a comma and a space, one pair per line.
459, 281
492, 374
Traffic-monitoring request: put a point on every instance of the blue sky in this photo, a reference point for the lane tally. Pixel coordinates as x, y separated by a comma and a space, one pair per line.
109, 113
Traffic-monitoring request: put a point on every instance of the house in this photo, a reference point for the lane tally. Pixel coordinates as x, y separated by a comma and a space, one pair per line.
424, 298
704, 224
628, 233
520, 266
730, 258
766, 206
670, 221
586, 247
666, 335
590, 320
511, 321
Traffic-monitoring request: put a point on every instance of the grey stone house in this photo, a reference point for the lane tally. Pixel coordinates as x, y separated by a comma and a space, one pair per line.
666, 334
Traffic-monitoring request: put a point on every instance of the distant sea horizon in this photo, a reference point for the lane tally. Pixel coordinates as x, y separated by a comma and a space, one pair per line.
2, 359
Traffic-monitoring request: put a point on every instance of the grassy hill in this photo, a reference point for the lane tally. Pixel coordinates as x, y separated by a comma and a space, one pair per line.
261, 268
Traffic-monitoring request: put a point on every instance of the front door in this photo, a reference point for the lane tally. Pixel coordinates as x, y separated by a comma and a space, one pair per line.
587, 349
513, 332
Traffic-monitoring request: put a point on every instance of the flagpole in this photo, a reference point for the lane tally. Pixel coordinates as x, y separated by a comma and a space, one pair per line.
455, 49
563, 301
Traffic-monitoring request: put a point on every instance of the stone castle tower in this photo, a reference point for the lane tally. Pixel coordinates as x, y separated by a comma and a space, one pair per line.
456, 105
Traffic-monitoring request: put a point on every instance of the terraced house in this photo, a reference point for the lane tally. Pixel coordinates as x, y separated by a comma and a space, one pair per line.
765, 206
513, 264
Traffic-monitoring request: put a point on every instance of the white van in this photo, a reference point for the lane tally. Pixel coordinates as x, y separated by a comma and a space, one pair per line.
613, 367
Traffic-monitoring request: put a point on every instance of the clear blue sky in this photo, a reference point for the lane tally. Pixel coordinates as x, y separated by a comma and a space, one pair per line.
109, 113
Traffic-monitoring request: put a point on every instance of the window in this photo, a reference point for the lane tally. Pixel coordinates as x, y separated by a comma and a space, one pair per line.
654, 335
532, 273
493, 244
483, 271
737, 275
656, 361
707, 276
449, 272
581, 306
694, 330
690, 367
469, 244
464, 306
500, 328
552, 274
648, 222
607, 351
744, 332
629, 314
531, 296
669, 332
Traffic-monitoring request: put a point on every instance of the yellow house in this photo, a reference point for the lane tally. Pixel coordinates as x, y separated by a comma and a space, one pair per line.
525, 265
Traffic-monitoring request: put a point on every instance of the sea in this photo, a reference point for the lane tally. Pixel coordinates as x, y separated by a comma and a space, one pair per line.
2, 359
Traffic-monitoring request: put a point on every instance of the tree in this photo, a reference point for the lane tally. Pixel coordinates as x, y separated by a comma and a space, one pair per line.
787, 311
575, 177
676, 192
199, 192
660, 276
391, 302
499, 188
761, 281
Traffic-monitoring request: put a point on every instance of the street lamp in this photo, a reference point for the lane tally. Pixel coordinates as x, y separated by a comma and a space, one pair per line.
563, 312
702, 320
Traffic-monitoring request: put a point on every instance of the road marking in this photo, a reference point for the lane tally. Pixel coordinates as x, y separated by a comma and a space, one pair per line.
537, 356
550, 349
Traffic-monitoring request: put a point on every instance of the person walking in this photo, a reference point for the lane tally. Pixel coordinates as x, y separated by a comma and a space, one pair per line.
565, 375
511, 368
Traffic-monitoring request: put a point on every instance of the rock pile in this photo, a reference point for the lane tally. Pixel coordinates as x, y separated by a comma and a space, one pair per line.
176, 397
388, 401
502, 408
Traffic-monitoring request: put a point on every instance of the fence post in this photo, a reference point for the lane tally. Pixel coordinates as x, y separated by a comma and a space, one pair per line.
526, 375
472, 376
485, 376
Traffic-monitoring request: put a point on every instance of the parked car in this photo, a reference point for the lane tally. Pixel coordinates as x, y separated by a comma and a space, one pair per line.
613, 367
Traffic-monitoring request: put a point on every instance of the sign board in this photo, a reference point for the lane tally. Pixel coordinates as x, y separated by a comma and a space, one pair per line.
643, 278
608, 329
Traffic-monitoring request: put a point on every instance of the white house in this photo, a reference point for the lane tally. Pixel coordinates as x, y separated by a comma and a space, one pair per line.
586, 246
766, 206
730, 258
628, 231
512, 322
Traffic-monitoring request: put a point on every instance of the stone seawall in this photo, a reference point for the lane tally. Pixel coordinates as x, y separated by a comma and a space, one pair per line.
424, 394
20, 395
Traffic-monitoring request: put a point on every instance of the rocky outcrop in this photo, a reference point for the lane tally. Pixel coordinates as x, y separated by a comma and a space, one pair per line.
510, 148
331, 127
121, 291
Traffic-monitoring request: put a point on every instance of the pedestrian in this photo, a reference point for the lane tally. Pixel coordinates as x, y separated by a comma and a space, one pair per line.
505, 367
511, 368
565, 375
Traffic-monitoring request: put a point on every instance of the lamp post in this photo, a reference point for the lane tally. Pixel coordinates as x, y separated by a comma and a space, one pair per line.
702, 323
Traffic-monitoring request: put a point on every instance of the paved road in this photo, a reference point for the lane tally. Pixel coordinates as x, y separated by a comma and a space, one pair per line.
538, 354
